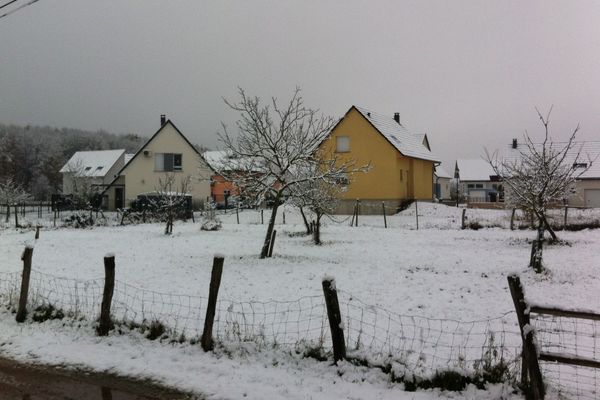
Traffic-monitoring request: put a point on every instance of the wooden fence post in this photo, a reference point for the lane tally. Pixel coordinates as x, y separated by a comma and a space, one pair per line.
109, 287
283, 214
37, 232
237, 213
54, 223
463, 219
353, 215
512, 219
215, 281
262, 218
357, 212
272, 243
26, 257
384, 218
417, 213
335, 318
530, 365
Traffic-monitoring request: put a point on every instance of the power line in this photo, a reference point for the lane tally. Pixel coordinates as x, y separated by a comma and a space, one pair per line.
18, 8
9, 3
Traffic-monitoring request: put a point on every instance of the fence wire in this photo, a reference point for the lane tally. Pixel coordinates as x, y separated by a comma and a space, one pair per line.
573, 337
409, 343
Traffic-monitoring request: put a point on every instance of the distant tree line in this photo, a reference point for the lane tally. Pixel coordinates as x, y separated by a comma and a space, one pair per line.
33, 155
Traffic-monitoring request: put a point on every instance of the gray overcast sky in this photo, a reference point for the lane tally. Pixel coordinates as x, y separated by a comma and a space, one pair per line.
469, 73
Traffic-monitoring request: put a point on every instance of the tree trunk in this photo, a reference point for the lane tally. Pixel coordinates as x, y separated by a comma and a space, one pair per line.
7, 212
549, 228
306, 224
317, 231
265, 248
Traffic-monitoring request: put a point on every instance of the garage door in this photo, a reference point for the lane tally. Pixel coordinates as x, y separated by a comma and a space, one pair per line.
477, 196
592, 197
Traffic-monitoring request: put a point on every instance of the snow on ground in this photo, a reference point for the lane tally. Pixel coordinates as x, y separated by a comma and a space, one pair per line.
243, 373
438, 271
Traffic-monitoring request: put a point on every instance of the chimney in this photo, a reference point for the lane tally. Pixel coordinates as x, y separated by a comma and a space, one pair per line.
514, 143
163, 119
397, 117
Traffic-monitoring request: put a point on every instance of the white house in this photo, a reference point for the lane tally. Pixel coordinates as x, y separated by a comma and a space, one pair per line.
442, 182
477, 181
91, 171
167, 153
584, 158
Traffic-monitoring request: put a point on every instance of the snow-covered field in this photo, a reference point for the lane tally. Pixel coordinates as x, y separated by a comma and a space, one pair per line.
436, 272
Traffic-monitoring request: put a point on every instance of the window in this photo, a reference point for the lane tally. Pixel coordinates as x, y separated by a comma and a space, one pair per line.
88, 168
471, 186
342, 180
99, 168
167, 162
479, 185
580, 165
342, 144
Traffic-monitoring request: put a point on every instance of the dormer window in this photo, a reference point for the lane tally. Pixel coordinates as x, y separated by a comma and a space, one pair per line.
88, 168
99, 168
579, 165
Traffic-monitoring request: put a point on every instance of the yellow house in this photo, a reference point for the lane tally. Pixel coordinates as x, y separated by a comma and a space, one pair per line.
167, 152
402, 164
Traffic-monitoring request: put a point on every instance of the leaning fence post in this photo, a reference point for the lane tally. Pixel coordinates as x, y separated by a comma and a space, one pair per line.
384, 218
237, 213
530, 365
463, 220
26, 257
215, 281
512, 219
272, 242
109, 287
357, 212
37, 232
262, 218
353, 215
335, 318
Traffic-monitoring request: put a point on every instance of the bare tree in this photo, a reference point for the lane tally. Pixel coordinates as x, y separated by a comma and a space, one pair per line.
320, 196
539, 175
11, 193
171, 200
278, 145
80, 185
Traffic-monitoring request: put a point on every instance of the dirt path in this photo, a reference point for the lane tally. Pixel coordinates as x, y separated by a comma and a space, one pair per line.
26, 382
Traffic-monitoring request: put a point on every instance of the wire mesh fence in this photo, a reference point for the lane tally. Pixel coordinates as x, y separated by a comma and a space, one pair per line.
571, 337
408, 343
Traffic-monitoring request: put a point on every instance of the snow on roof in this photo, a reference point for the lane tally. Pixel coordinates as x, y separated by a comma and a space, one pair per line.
128, 157
440, 172
221, 160
585, 154
407, 144
474, 169
92, 163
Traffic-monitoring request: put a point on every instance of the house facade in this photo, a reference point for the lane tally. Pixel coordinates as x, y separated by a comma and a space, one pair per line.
401, 164
89, 172
168, 153
442, 182
478, 182
584, 158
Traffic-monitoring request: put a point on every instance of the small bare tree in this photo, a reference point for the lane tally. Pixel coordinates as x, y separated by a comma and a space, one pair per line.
538, 176
171, 199
321, 197
11, 193
277, 146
